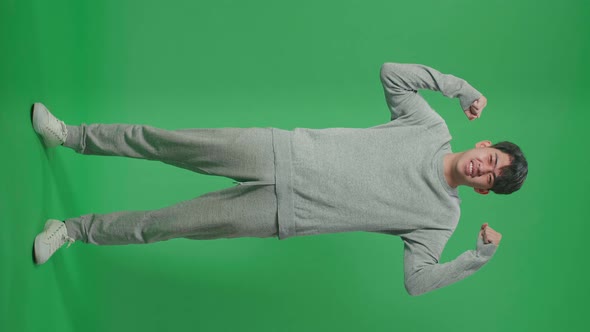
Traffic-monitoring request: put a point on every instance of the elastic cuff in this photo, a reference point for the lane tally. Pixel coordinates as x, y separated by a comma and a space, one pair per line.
468, 95
485, 250
74, 138
74, 229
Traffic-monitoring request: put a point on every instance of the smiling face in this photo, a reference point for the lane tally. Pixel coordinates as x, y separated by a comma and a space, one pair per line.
479, 167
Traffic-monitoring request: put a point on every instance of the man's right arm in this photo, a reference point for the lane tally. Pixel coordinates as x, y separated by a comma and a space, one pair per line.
401, 83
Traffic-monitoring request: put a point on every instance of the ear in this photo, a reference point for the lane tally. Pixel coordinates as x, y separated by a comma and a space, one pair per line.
481, 191
483, 144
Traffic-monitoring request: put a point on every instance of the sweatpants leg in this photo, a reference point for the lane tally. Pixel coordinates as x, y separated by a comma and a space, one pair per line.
244, 154
239, 211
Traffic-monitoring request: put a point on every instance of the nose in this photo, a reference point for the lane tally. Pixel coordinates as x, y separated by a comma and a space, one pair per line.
485, 168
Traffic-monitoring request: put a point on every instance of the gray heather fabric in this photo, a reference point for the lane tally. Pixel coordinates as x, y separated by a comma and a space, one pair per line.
386, 179
246, 210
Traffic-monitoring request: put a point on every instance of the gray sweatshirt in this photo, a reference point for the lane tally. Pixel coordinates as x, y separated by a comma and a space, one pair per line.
387, 179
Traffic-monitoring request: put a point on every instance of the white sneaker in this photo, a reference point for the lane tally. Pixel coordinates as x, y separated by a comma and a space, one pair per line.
52, 130
54, 235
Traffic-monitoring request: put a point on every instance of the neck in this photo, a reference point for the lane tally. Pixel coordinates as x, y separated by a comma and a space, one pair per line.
450, 168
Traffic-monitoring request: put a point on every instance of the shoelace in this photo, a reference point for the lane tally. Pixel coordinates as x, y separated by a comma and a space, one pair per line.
61, 135
54, 245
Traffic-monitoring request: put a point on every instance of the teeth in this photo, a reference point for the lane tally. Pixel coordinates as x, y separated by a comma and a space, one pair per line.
471, 168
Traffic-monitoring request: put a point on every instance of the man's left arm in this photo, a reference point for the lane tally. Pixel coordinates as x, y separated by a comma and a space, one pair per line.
422, 271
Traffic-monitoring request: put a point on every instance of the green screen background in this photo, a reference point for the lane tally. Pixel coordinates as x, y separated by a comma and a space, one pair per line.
315, 64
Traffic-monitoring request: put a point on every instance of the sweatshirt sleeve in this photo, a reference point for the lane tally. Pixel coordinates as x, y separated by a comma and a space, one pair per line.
401, 83
422, 270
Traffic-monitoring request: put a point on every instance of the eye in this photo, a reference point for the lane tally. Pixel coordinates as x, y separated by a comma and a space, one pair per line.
491, 159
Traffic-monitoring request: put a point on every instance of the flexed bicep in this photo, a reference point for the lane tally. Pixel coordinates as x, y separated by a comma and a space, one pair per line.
401, 99
402, 82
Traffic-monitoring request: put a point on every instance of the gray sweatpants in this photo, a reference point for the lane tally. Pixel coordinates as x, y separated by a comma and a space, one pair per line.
245, 210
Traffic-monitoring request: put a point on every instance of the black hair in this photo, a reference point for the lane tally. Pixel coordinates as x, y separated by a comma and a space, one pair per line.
512, 176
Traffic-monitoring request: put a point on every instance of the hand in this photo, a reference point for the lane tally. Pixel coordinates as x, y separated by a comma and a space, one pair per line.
489, 235
474, 111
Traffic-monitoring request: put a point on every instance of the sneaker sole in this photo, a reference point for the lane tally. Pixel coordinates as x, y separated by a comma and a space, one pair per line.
35, 250
37, 239
33, 255
35, 117
32, 112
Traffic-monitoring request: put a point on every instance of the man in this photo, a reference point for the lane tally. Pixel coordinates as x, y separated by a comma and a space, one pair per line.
399, 178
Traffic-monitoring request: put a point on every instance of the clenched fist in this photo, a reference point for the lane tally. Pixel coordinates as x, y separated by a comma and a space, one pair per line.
474, 111
489, 235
